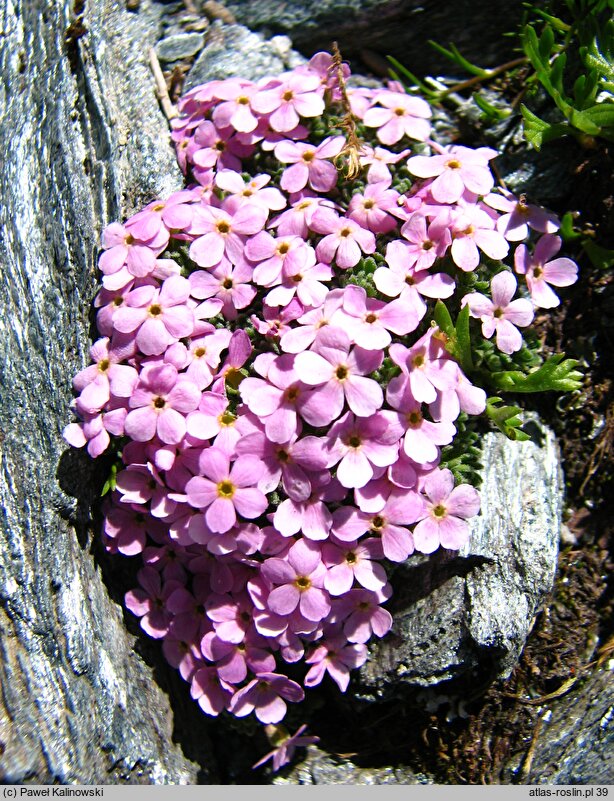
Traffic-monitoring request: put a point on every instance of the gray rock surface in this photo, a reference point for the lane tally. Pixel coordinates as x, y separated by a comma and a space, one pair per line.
471, 612
83, 143
320, 768
233, 51
178, 46
392, 27
576, 741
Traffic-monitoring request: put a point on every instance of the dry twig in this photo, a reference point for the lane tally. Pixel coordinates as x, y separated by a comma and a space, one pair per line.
170, 112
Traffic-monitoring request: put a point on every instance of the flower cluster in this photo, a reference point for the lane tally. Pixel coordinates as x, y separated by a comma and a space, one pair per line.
270, 368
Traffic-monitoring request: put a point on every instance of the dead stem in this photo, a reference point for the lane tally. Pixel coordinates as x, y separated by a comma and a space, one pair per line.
170, 112
352, 148
478, 79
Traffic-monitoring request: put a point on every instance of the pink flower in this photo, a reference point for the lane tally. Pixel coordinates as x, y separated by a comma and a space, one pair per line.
296, 221
373, 210
301, 276
127, 529
204, 355
273, 254
377, 159
95, 429
356, 444
284, 750
298, 581
211, 691
159, 317
312, 516
157, 219
472, 228
337, 375
336, 656
422, 437
541, 270
457, 168
236, 109
349, 561
501, 314
265, 695
390, 523
104, 378
234, 659
402, 278
292, 461
309, 164
159, 403
229, 283
254, 190
149, 602
425, 244
293, 97
122, 248
368, 321
278, 400
220, 233
401, 116
300, 338
345, 241
520, 216
447, 509
425, 370
223, 491
214, 148
362, 615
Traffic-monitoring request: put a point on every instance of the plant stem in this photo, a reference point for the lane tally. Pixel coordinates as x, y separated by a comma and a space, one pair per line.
170, 112
478, 79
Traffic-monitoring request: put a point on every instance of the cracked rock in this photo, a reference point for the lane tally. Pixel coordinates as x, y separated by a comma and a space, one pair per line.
233, 51
178, 46
470, 612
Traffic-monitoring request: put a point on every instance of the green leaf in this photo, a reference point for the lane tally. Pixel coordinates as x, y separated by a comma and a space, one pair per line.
567, 230
492, 112
506, 419
110, 483
404, 75
454, 55
545, 43
599, 55
463, 339
601, 114
457, 336
537, 131
583, 122
556, 374
443, 318
585, 89
556, 22
600, 257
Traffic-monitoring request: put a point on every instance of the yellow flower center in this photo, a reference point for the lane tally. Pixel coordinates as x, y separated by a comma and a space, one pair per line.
225, 489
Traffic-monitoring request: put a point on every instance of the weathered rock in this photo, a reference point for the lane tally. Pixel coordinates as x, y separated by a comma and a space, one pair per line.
399, 28
233, 51
178, 46
83, 143
320, 768
575, 744
471, 612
